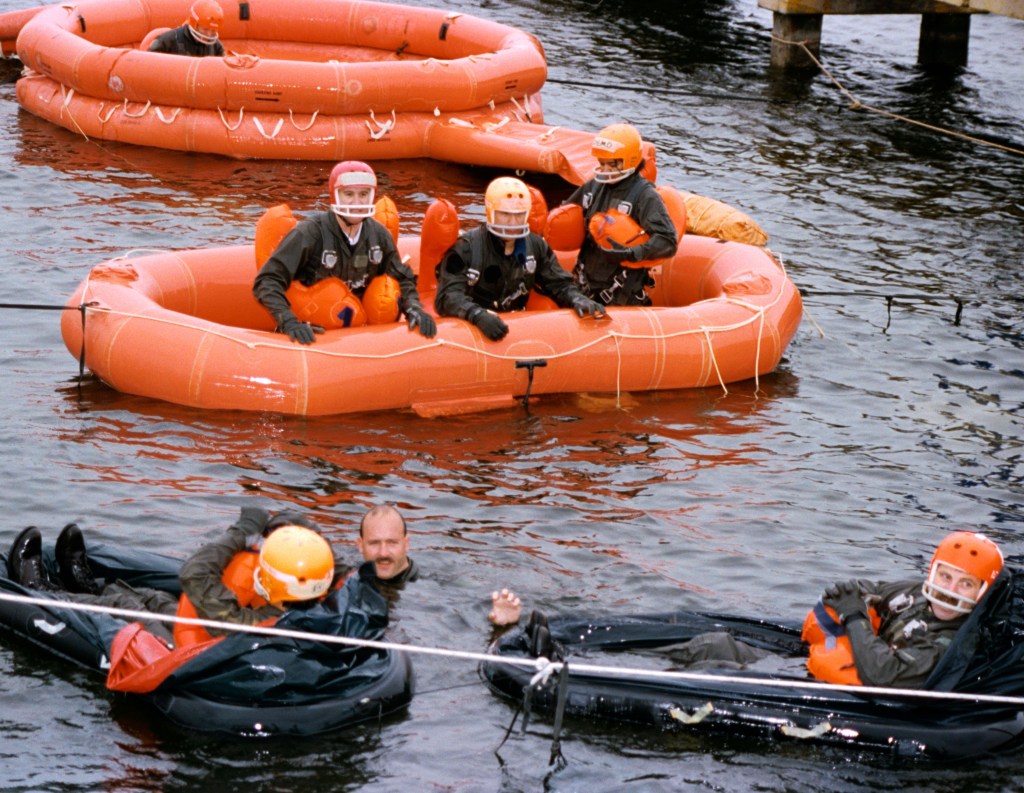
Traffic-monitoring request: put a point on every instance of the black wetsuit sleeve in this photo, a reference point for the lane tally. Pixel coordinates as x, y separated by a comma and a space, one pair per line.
281, 268
453, 292
201, 581
401, 272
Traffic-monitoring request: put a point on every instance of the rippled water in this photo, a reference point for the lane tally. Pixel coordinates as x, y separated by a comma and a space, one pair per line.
873, 439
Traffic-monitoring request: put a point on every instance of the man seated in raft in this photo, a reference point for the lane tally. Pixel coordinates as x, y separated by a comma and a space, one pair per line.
612, 275
270, 564
347, 244
198, 37
885, 634
494, 267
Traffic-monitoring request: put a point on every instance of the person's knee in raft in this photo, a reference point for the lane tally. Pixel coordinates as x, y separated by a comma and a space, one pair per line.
494, 268
198, 37
884, 633
624, 225
347, 244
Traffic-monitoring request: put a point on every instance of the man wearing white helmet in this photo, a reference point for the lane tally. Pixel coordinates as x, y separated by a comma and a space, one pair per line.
198, 37
346, 243
493, 268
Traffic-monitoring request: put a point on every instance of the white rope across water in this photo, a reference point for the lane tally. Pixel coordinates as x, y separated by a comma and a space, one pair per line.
543, 667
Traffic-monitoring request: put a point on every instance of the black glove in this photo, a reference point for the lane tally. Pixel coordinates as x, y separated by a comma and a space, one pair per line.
620, 253
417, 317
585, 307
302, 332
493, 326
847, 600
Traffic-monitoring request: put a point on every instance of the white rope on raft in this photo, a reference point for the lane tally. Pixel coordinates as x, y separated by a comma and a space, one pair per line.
543, 667
758, 314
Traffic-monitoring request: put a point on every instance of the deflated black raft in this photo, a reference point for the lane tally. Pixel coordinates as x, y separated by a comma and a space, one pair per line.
246, 684
985, 660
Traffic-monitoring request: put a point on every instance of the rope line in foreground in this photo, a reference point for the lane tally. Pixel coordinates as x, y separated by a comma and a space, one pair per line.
543, 667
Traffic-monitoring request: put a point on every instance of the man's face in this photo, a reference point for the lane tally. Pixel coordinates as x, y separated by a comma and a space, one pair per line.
384, 543
949, 579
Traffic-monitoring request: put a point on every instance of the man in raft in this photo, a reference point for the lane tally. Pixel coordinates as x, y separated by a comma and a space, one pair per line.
198, 37
609, 270
494, 267
262, 565
346, 244
861, 632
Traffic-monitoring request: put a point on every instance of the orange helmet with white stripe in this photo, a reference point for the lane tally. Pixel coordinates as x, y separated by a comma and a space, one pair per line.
204, 20
619, 150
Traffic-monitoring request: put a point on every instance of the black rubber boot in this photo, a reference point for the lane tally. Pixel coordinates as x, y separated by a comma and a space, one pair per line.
72, 562
25, 561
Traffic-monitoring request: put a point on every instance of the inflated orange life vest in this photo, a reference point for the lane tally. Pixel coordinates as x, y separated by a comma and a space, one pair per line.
830, 658
238, 577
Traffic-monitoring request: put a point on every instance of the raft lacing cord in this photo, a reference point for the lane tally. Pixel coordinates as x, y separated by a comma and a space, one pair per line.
382, 129
540, 665
758, 313
856, 104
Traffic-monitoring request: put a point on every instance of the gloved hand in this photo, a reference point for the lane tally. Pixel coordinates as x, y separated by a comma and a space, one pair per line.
585, 307
493, 326
417, 317
847, 600
620, 253
302, 332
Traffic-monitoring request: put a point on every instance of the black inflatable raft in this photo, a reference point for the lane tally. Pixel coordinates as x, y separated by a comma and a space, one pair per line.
982, 667
245, 684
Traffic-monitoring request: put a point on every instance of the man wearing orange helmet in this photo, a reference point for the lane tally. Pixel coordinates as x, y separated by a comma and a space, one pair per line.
602, 272
198, 37
915, 622
262, 565
861, 633
346, 243
494, 267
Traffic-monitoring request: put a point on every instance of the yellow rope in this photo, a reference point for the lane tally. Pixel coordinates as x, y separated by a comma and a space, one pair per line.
856, 104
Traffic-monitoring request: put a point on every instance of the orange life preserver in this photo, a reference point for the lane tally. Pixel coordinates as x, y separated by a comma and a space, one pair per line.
830, 657
328, 303
238, 577
271, 228
386, 213
564, 230
440, 231
675, 203
380, 300
538, 217
616, 226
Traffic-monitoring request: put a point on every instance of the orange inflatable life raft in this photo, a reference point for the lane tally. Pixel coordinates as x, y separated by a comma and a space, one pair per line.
302, 79
723, 312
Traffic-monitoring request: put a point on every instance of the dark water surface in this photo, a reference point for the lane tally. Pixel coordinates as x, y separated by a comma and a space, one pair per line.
854, 458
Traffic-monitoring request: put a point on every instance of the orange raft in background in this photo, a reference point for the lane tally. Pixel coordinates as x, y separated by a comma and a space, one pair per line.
303, 79
724, 311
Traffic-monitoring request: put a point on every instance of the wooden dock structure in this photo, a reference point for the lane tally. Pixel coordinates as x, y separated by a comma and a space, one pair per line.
945, 25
